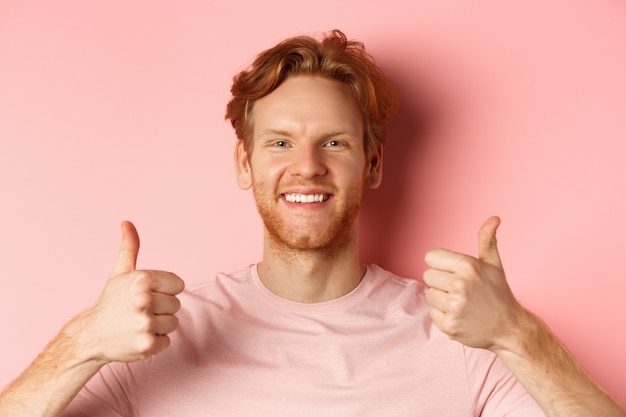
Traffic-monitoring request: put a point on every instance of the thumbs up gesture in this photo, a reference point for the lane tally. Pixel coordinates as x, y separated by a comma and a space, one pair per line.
470, 298
134, 314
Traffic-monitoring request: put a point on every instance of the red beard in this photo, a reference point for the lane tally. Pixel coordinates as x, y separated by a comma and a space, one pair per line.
333, 233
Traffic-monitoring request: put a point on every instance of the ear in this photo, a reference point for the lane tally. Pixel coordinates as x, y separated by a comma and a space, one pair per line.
242, 166
374, 167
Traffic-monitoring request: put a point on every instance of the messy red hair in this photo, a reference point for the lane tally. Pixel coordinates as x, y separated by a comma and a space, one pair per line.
334, 57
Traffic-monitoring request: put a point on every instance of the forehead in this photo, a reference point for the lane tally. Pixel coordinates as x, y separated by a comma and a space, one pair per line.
308, 105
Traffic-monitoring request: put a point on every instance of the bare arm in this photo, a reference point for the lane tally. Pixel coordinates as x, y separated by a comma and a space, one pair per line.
129, 322
551, 374
48, 385
472, 303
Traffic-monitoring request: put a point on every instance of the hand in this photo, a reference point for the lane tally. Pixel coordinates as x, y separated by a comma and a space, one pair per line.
134, 314
470, 298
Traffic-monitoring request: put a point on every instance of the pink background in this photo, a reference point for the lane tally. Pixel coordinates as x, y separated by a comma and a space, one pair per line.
114, 110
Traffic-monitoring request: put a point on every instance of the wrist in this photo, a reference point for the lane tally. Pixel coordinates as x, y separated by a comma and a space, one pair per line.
524, 330
77, 342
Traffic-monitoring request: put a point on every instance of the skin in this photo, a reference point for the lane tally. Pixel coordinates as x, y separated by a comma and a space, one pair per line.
129, 321
308, 140
473, 304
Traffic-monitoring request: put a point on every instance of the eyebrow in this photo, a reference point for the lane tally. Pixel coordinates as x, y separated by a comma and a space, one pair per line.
278, 132
331, 133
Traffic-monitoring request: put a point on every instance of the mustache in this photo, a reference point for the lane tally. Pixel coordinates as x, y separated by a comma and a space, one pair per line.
325, 185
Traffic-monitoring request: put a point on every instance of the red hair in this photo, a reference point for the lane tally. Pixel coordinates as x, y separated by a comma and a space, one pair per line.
334, 57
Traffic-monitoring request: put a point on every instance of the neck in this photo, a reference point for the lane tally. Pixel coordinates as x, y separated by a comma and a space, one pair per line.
311, 276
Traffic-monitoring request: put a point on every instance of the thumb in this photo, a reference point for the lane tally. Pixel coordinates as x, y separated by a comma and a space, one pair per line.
487, 242
129, 249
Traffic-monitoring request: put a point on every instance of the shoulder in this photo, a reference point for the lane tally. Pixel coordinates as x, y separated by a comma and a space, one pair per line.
382, 279
201, 291
202, 300
394, 291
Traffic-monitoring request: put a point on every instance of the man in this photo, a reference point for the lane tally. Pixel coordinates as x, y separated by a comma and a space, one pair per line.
309, 330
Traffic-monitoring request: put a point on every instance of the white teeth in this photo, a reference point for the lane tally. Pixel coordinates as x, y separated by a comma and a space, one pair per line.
306, 198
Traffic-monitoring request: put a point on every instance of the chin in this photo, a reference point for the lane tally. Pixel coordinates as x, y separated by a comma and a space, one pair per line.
331, 240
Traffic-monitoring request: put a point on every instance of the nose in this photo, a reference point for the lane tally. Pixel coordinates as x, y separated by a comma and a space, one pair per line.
308, 162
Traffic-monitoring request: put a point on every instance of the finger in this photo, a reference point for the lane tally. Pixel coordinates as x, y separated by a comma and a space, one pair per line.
161, 343
129, 249
166, 283
438, 318
438, 279
438, 299
446, 260
164, 324
487, 242
164, 304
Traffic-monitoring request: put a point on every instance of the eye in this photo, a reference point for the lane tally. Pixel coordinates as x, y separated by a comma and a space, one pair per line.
333, 144
281, 144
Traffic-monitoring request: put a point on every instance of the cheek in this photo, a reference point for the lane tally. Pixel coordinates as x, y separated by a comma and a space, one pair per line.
259, 174
355, 172
267, 172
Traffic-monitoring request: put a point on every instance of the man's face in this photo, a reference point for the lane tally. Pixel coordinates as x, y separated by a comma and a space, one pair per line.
308, 167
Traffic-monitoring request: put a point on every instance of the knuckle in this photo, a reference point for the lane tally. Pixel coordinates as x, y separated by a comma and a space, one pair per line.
145, 345
144, 301
143, 278
456, 307
460, 287
451, 329
470, 267
144, 325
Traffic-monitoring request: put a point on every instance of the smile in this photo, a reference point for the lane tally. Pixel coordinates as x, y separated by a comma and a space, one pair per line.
306, 198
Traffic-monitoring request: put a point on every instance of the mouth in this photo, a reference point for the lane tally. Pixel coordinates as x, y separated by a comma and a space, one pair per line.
306, 198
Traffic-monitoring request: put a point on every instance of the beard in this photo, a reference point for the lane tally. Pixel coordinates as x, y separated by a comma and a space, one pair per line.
328, 234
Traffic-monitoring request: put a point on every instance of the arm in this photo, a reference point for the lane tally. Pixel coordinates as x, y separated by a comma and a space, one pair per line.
129, 322
473, 304
551, 374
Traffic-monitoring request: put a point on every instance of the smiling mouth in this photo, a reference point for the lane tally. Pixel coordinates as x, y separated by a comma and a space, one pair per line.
306, 198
